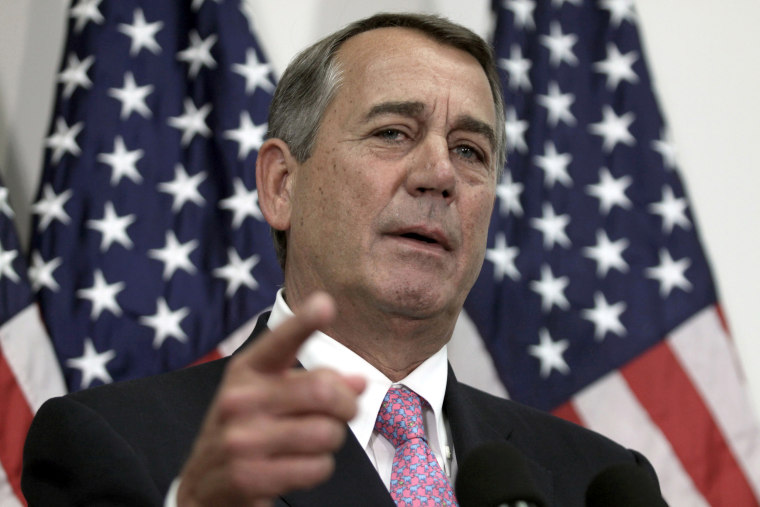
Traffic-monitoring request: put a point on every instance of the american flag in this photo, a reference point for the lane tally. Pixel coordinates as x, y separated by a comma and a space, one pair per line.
29, 372
148, 238
596, 300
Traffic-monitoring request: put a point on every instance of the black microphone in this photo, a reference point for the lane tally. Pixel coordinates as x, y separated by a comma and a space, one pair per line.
624, 485
496, 475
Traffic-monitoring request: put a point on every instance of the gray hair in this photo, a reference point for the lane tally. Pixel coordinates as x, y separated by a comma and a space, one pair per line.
313, 78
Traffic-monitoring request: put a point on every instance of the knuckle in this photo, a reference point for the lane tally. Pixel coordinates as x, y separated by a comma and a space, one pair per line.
328, 434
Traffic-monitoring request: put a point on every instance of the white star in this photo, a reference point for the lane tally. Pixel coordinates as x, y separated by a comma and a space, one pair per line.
175, 255
166, 323
509, 195
192, 121
256, 74
243, 203
41, 273
92, 364
551, 289
75, 74
560, 45
552, 227
665, 147
672, 209
610, 191
549, 353
122, 161
517, 69
6, 264
50, 206
614, 129
113, 228
607, 254
84, 12
606, 317
670, 273
183, 188
620, 10
557, 105
102, 295
132, 97
237, 272
515, 129
198, 54
554, 165
63, 140
4, 206
617, 66
503, 258
143, 34
247, 135
523, 11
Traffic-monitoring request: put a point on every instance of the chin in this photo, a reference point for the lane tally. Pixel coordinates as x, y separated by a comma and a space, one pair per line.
418, 301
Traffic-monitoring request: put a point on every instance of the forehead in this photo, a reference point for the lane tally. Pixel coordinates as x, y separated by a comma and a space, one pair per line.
395, 64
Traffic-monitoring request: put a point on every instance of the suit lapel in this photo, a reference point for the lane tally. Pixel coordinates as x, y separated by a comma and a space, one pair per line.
355, 482
475, 422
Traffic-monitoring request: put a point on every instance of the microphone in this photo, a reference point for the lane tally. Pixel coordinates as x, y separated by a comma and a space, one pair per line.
624, 485
496, 475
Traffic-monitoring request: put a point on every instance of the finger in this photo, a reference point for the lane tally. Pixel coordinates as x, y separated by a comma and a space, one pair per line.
295, 392
276, 351
274, 476
283, 436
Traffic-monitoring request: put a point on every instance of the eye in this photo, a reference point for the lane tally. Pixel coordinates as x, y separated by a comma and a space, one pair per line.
469, 153
389, 134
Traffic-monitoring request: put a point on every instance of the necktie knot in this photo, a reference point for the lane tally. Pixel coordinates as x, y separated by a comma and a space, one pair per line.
400, 416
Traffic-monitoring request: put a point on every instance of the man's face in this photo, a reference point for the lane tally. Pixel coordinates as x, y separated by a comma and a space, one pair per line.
392, 208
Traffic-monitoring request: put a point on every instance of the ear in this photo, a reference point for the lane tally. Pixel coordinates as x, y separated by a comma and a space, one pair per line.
274, 180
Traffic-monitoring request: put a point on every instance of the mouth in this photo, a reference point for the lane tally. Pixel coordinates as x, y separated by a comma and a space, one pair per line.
429, 238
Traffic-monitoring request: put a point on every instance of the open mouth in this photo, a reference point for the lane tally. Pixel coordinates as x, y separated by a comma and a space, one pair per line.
419, 237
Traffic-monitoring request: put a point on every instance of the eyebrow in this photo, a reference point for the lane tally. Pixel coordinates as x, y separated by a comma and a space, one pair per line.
410, 109
414, 109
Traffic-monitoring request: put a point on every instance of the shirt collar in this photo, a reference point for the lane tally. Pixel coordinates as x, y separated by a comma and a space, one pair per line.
321, 351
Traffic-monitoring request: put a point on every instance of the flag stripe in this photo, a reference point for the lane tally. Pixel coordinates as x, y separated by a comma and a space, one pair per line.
567, 412
470, 359
31, 358
659, 381
606, 403
13, 427
708, 358
7, 497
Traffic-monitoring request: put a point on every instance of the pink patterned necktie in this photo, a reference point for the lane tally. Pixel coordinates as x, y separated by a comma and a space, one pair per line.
416, 477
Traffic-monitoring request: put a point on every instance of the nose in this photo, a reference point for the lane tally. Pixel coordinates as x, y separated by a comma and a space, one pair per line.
431, 172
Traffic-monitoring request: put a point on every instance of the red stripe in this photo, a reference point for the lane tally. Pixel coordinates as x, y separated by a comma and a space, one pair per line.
211, 356
567, 412
664, 389
14, 423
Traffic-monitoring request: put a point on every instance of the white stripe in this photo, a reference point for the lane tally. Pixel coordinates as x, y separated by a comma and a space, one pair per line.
708, 356
27, 348
609, 407
471, 361
7, 497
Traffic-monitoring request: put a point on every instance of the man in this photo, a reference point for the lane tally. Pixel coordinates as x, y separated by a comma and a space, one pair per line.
379, 176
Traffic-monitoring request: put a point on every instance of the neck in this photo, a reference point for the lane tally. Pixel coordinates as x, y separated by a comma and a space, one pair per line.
393, 343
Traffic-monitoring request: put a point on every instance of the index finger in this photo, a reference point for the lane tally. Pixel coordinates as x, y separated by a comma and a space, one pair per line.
276, 350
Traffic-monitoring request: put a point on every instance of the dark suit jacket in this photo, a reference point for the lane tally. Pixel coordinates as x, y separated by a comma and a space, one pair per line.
124, 443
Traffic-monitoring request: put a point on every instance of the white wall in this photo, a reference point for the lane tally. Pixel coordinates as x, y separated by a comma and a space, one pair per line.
705, 57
